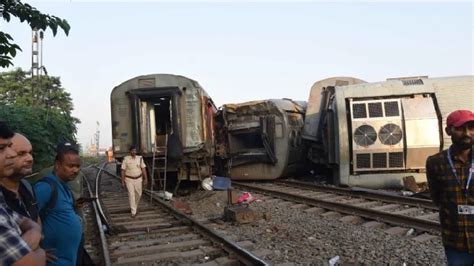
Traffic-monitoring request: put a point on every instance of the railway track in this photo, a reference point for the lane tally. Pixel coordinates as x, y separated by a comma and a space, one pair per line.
159, 234
418, 214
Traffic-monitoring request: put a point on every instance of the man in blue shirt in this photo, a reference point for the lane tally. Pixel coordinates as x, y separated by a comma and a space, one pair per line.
62, 227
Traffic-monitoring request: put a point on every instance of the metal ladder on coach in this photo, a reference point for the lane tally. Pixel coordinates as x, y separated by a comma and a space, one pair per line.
160, 163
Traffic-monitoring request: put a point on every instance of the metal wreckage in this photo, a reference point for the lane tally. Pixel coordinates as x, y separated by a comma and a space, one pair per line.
364, 134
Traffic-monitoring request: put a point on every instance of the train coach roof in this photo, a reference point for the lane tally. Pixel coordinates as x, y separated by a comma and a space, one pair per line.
287, 105
371, 89
155, 81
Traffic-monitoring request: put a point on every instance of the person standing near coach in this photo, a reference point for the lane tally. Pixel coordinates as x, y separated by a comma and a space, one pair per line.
133, 177
450, 174
62, 227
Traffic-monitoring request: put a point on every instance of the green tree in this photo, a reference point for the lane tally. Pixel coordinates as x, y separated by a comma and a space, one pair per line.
44, 117
36, 20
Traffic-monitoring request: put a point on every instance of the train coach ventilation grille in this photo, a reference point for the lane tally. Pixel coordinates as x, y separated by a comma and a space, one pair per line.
363, 160
395, 159
379, 160
411, 82
375, 109
359, 111
146, 83
390, 134
391, 109
365, 135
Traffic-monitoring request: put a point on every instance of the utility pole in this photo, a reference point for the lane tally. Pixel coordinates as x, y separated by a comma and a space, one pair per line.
36, 59
97, 137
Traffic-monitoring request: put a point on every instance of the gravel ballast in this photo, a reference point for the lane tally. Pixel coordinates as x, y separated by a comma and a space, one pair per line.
293, 235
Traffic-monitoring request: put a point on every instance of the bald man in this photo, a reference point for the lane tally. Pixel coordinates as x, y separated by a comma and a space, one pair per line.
17, 192
19, 236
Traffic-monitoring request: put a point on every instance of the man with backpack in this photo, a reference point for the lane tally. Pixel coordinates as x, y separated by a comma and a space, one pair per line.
62, 227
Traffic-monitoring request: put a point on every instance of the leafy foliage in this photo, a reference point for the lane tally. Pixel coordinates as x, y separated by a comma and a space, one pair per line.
36, 20
43, 115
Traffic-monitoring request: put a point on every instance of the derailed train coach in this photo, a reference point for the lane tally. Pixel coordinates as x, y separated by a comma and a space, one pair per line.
260, 139
374, 134
161, 111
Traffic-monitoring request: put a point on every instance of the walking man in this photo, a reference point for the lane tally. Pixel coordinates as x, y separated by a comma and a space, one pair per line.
449, 176
62, 227
17, 191
19, 236
133, 175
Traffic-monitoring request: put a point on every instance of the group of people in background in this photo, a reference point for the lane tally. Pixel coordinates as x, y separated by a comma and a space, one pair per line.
39, 225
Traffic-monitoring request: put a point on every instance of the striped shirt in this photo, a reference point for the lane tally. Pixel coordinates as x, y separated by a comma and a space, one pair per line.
448, 192
12, 246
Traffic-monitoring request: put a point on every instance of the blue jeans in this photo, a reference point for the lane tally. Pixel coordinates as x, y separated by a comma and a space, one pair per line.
457, 258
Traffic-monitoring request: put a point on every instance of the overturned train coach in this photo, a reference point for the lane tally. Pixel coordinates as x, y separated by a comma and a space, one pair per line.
165, 116
374, 134
260, 139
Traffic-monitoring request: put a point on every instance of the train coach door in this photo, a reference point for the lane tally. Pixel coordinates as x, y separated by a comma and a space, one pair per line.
162, 119
251, 141
155, 116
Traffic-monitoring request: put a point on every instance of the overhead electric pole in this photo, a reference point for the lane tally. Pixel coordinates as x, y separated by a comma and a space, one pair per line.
37, 67
97, 137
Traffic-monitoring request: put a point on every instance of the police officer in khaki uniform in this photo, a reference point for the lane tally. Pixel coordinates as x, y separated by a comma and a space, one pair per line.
134, 176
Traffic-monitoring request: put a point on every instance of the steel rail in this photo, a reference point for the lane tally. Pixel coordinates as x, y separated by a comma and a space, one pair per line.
103, 240
390, 218
365, 193
97, 194
243, 255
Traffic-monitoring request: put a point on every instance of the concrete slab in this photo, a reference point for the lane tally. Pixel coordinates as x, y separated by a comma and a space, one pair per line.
385, 207
241, 214
299, 206
331, 214
397, 230
406, 211
315, 210
262, 252
351, 219
373, 224
167, 247
424, 237
226, 261
429, 216
366, 204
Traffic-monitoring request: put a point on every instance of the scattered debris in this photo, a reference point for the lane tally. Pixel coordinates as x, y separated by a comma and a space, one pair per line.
241, 214
410, 184
182, 206
245, 199
164, 195
334, 260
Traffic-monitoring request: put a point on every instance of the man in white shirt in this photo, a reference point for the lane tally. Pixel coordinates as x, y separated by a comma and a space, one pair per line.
134, 176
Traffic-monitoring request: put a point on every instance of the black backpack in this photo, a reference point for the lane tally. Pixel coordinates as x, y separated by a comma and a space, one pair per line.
52, 200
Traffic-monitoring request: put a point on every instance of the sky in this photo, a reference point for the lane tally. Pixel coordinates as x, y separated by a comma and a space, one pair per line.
245, 50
